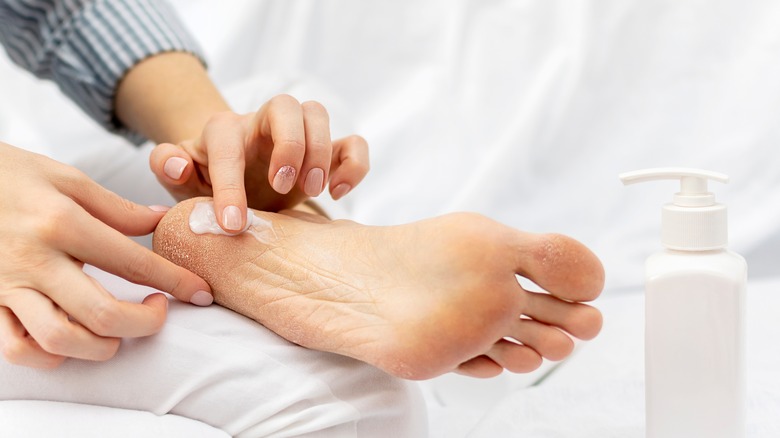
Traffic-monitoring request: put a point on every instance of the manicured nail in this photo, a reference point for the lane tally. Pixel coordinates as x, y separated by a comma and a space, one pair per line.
284, 179
159, 208
202, 298
231, 218
341, 190
314, 179
174, 167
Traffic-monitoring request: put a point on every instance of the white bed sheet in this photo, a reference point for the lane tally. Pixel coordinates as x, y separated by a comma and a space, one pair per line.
32, 418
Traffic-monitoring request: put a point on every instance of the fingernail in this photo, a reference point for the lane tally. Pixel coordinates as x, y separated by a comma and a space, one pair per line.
159, 208
314, 179
202, 298
341, 190
174, 167
284, 179
231, 218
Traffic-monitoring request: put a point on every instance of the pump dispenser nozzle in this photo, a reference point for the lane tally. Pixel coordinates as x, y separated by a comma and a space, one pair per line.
693, 221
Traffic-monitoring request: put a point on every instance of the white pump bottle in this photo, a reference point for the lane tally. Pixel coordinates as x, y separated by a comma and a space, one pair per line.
694, 316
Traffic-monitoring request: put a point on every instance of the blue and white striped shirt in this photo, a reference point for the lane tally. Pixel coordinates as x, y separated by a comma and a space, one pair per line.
87, 46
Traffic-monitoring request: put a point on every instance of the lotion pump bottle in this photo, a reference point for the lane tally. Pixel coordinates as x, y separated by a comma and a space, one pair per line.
694, 316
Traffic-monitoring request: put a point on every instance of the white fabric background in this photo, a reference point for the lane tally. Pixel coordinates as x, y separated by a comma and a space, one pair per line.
524, 110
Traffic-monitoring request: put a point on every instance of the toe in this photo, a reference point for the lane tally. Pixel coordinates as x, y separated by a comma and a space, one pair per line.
546, 340
586, 322
515, 357
481, 367
579, 320
561, 265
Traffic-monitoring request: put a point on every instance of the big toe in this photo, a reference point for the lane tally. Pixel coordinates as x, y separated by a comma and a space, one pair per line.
561, 265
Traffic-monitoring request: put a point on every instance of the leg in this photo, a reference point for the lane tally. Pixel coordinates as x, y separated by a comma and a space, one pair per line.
416, 300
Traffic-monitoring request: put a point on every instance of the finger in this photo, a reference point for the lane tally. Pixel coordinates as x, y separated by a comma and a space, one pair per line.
171, 164
546, 340
177, 172
561, 265
224, 142
110, 208
281, 118
20, 349
514, 357
55, 333
91, 241
580, 320
350, 165
85, 300
319, 150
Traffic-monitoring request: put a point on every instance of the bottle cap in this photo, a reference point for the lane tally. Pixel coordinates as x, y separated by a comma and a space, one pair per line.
693, 221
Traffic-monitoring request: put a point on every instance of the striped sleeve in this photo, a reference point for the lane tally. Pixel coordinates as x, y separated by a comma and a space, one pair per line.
87, 46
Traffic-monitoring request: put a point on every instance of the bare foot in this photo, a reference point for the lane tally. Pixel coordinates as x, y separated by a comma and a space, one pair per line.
415, 300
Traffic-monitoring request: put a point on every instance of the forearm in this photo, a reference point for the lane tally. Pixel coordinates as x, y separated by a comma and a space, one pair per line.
88, 46
168, 98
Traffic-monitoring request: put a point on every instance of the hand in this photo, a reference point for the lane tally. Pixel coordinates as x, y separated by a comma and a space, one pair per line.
53, 220
270, 160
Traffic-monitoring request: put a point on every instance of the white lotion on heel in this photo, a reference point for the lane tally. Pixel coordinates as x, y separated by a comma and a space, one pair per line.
203, 220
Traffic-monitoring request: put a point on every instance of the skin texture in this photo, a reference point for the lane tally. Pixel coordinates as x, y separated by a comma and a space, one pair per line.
415, 300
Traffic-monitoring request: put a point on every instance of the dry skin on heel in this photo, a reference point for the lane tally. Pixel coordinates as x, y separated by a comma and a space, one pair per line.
415, 300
